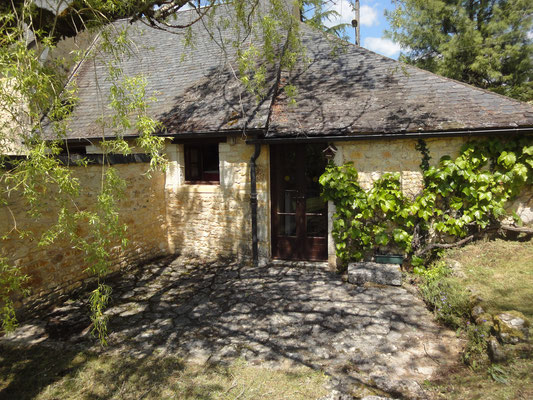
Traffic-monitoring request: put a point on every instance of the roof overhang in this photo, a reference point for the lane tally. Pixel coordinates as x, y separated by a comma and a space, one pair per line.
396, 136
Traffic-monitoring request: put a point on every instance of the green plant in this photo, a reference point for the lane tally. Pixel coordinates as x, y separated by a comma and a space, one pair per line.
446, 297
498, 374
461, 198
451, 303
365, 220
11, 281
475, 352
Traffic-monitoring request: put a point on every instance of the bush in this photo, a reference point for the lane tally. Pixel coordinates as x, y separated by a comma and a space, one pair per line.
475, 352
446, 297
452, 305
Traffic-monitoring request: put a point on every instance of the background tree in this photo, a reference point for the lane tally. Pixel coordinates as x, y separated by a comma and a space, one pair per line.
318, 13
485, 43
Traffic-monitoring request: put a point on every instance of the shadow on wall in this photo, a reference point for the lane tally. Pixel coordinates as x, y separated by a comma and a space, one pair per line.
59, 267
208, 222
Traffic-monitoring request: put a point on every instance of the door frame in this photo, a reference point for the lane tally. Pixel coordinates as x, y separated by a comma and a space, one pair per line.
313, 248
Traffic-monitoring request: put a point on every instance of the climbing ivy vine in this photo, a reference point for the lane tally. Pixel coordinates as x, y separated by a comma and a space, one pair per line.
462, 198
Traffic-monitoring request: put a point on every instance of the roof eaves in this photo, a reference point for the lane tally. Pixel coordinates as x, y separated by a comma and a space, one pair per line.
398, 135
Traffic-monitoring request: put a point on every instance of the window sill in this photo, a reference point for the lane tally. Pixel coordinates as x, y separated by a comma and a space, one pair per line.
199, 188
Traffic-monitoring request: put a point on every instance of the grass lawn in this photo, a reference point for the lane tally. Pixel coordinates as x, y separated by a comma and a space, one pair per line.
45, 374
463, 383
501, 273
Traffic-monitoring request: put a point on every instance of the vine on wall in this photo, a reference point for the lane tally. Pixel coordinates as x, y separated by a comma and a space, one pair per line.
462, 199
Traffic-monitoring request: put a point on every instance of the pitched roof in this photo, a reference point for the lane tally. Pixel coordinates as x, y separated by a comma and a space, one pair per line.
360, 92
352, 92
194, 87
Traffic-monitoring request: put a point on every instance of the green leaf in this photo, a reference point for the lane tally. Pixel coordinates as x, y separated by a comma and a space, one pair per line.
485, 196
520, 170
507, 159
382, 239
440, 226
528, 150
400, 235
466, 191
456, 203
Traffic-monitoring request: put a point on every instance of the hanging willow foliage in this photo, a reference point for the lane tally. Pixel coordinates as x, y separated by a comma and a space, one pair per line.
36, 90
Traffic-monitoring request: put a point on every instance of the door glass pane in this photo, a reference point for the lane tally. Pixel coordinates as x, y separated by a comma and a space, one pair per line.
315, 207
288, 225
289, 202
315, 164
314, 203
317, 226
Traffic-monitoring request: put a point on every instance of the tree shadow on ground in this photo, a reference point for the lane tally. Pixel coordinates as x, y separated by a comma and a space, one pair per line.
222, 311
28, 373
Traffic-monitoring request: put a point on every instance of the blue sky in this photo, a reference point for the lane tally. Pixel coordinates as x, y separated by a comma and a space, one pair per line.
373, 24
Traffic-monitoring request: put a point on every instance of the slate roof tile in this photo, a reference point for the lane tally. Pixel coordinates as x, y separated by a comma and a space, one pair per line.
356, 91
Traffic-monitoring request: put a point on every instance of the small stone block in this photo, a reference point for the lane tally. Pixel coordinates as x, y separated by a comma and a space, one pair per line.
383, 274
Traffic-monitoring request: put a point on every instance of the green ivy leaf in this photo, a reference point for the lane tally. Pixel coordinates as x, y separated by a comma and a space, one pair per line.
520, 170
456, 203
507, 159
485, 196
382, 239
400, 235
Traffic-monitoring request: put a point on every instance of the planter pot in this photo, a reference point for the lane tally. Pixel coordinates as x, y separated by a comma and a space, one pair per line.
388, 258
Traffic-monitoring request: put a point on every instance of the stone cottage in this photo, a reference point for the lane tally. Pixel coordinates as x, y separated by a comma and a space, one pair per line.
243, 175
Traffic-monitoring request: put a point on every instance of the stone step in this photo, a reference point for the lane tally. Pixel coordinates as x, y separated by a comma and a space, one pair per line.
384, 274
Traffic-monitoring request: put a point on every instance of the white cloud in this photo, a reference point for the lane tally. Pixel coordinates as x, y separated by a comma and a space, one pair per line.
382, 46
369, 15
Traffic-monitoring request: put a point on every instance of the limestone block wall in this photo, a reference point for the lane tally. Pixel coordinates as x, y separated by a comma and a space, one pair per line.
212, 221
374, 158
60, 267
166, 215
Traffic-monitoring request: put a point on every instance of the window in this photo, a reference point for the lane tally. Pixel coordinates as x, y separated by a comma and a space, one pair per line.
201, 163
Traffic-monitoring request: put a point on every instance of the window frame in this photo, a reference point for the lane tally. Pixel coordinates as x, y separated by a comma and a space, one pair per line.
201, 146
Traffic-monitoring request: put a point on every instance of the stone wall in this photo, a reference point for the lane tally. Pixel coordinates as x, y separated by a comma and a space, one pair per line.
373, 158
60, 267
165, 215
212, 221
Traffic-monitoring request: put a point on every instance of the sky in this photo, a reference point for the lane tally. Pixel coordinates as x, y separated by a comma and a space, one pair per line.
373, 24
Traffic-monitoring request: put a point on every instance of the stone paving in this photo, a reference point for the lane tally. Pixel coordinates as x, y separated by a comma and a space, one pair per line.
382, 337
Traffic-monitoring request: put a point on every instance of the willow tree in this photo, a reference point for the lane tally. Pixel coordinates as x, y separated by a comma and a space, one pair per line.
486, 43
37, 87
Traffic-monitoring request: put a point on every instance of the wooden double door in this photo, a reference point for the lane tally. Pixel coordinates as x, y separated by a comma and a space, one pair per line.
299, 215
